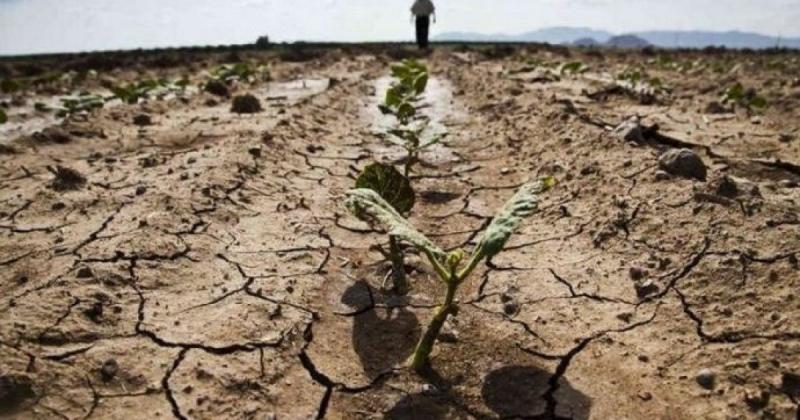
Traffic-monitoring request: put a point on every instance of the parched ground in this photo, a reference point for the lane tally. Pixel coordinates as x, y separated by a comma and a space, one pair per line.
208, 269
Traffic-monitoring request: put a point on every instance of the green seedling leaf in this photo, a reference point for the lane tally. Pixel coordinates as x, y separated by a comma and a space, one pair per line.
523, 204
10, 86
420, 83
368, 205
3, 117
390, 184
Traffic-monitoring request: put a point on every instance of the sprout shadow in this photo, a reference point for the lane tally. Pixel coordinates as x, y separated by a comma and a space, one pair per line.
382, 337
522, 391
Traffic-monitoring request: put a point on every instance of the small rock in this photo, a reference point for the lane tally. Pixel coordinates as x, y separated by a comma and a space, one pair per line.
790, 384
142, 120
684, 163
645, 396
109, 370
216, 87
630, 130
510, 308
706, 378
756, 400
625, 317
786, 138
646, 289
717, 108
140, 190
52, 338
637, 273
85, 273
643, 358
246, 104
255, 152
53, 135
14, 390
753, 363
66, 179
727, 187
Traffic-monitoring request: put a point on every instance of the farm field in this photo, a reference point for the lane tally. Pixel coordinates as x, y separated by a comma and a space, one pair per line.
162, 256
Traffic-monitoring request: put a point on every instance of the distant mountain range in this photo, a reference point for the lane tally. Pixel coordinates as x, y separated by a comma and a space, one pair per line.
666, 39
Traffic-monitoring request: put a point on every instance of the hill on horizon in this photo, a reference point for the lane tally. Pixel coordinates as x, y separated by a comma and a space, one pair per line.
660, 38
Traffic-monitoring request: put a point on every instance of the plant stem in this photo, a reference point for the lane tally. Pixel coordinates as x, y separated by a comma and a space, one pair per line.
398, 267
425, 347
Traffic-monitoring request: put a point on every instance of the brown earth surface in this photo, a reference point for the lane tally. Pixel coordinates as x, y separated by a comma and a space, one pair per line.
207, 268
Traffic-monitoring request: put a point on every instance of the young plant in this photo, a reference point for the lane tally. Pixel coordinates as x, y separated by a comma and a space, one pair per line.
3, 116
402, 97
452, 268
395, 190
83, 102
411, 80
746, 98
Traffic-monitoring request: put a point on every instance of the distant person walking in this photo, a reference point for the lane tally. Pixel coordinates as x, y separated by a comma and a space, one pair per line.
423, 10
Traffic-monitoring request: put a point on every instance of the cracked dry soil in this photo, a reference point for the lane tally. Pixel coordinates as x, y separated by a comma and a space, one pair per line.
207, 269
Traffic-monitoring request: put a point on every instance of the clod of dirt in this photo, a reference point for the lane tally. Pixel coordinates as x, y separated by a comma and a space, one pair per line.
52, 338
255, 152
790, 384
637, 273
717, 108
14, 390
109, 370
142, 120
630, 130
684, 163
645, 289
53, 135
727, 187
7, 150
786, 138
66, 179
85, 273
246, 104
218, 88
756, 400
140, 190
706, 378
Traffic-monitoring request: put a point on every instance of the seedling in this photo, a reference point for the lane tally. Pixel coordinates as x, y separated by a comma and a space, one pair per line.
402, 97
746, 98
411, 80
131, 93
84, 102
573, 67
3, 117
452, 268
241, 72
396, 190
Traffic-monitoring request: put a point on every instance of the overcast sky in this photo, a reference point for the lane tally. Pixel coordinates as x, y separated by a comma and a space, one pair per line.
34, 26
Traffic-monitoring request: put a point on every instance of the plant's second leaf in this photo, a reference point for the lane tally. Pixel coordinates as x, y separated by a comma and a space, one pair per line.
390, 184
367, 205
523, 204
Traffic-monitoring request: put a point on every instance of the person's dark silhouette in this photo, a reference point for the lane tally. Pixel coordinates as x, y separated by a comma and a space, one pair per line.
423, 11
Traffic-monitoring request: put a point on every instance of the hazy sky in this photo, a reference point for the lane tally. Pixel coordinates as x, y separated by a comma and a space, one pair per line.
32, 26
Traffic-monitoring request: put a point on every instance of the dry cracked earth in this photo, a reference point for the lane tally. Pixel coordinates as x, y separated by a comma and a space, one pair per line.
206, 267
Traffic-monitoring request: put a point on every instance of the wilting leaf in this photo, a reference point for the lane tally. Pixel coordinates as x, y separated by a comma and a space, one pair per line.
367, 205
420, 83
390, 184
3, 117
523, 204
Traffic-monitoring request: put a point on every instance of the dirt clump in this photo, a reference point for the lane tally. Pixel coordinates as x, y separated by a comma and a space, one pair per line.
246, 104
684, 163
66, 179
217, 87
14, 390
